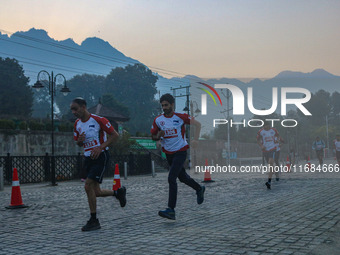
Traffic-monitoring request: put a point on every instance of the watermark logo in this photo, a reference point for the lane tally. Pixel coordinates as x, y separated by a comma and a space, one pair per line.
288, 96
239, 99
204, 97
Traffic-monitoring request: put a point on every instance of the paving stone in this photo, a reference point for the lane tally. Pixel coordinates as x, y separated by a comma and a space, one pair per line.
238, 216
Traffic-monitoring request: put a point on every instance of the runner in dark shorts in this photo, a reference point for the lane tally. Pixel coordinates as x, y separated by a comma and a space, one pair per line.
95, 134
95, 168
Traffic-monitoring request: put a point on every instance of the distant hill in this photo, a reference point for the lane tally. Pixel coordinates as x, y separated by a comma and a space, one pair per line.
317, 73
36, 50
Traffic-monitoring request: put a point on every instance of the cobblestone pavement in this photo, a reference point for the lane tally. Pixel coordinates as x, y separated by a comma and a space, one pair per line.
239, 216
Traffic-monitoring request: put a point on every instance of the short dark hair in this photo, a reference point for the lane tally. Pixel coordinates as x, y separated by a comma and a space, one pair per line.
79, 100
167, 97
267, 123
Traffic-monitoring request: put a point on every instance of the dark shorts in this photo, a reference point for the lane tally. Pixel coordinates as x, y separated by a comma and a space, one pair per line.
269, 154
338, 155
277, 157
319, 153
95, 168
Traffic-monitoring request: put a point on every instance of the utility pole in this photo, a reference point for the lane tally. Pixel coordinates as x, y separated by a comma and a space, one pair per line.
227, 117
187, 94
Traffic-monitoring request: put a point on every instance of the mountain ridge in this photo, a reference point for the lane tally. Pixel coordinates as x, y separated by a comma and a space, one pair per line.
37, 45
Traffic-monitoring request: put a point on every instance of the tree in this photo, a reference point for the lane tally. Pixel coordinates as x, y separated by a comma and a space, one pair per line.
109, 101
16, 96
335, 108
134, 86
88, 86
319, 106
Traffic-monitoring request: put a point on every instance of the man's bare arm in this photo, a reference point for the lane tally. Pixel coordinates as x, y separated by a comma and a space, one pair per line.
158, 136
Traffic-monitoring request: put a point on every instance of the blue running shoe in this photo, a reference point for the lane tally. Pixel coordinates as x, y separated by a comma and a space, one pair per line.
168, 213
200, 195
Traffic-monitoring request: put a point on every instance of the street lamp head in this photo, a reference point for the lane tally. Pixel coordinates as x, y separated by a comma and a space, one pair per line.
65, 90
197, 110
38, 85
186, 109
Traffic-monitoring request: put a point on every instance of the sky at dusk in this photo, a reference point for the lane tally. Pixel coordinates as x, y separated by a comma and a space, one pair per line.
236, 39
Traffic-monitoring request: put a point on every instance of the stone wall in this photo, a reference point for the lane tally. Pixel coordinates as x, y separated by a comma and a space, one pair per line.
36, 143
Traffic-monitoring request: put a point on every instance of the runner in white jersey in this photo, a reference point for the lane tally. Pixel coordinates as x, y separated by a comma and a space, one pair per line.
266, 140
170, 128
337, 148
95, 134
319, 146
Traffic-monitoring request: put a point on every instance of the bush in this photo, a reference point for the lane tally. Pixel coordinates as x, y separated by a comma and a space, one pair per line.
23, 125
66, 127
123, 145
7, 124
35, 125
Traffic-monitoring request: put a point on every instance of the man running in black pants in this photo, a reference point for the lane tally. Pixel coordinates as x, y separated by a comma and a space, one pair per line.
170, 128
95, 134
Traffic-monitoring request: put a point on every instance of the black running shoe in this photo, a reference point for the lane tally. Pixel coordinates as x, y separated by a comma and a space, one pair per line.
200, 195
121, 196
268, 185
91, 225
168, 213
277, 179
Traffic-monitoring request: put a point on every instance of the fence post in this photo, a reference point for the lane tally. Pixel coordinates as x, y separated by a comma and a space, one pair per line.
79, 166
47, 167
149, 160
131, 163
1, 178
9, 168
153, 168
125, 170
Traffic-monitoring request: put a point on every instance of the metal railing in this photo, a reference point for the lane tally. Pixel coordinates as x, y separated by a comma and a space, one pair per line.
36, 169
157, 158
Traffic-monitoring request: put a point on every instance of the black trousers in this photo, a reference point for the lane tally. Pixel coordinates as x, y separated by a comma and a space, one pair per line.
176, 162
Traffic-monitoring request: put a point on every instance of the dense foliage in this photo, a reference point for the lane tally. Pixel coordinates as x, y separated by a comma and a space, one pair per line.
16, 96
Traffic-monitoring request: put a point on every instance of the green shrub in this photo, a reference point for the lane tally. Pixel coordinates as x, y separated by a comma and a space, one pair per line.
23, 125
35, 125
65, 127
7, 124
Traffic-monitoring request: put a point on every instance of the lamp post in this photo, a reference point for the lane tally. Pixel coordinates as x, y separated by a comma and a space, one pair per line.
197, 111
52, 92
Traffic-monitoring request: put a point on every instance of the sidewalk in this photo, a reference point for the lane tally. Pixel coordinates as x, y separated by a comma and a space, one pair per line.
239, 216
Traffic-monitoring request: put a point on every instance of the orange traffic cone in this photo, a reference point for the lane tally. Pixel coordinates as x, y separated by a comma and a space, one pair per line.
288, 163
207, 176
308, 163
116, 179
16, 200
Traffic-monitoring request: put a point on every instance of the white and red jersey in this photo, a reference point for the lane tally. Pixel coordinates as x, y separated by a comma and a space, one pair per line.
268, 138
95, 129
277, 143
174, 129
337, 145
